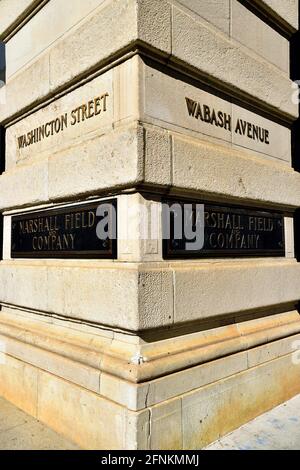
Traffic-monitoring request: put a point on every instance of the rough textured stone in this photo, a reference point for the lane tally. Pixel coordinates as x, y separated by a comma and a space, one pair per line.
63, 109
216, 12
227, 63
241, 286
154, 24
266, 41
165, 99
286, 9
103, 160
87, 46
18, 384
223, 171
14, 10
111, 160
46, 27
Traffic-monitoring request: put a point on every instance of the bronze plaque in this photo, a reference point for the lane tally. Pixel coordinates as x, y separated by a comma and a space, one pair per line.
223, 231
68, 232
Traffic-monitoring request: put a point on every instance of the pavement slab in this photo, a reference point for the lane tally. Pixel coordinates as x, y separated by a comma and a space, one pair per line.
278, 429
19, 431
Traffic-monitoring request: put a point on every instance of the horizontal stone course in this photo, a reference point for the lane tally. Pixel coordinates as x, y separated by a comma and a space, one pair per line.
267, 42
220, 170
286, 10
149, 23
123, 158
149, 292
46, 27
172, 102
227, 63
216, 12
13, 12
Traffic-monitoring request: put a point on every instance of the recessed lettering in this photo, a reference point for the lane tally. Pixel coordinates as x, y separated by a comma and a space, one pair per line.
228, 232
69, 232
219, 118
80, 114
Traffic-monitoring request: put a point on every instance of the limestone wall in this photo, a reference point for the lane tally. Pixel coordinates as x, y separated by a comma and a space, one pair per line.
142, 100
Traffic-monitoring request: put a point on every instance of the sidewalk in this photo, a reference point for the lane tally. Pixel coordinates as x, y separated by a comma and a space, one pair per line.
19, 431
279, 429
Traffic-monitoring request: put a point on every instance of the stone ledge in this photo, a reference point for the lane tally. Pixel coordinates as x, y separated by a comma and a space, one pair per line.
282, 13
14, 13
108, 366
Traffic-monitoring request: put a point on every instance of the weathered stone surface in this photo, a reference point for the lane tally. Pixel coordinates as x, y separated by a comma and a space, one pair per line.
228, 63
241, 286
216, 12
266, 41
158, 158
108, 160
218, 409
166, 426
92, 293
178, 398
18, 384
149, 292
113, 159
243, 176
14, 10
139, 352
172, 102
20, 431
150, 23
63, 124
113, 366
117, 159
97, 424
286, 9
46, 27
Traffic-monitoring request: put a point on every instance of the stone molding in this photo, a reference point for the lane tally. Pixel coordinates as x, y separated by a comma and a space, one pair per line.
86, 358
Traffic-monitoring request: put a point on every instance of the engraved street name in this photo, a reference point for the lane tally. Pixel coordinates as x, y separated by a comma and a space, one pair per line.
223, 120
85, 111
228, 231
69, 232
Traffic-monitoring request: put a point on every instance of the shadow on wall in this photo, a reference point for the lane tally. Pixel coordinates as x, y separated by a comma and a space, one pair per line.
297, 234
2, 133
2, 63
295, 76
2, 82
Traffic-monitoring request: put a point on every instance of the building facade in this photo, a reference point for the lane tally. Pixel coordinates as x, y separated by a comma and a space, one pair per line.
120, 118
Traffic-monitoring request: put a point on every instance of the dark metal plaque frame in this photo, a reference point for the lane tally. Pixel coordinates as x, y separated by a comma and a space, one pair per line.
106, 251
174, 249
